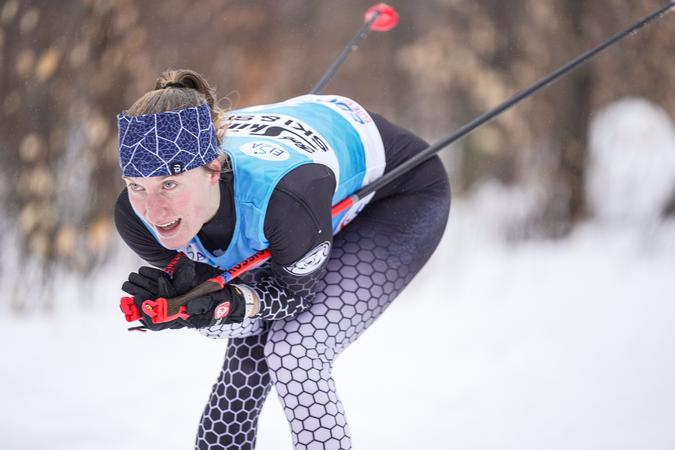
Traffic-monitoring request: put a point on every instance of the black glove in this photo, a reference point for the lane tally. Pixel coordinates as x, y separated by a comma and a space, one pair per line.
145, 285
150, 283
224, 306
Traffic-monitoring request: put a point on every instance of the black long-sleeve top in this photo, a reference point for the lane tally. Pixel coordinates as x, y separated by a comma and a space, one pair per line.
298, 220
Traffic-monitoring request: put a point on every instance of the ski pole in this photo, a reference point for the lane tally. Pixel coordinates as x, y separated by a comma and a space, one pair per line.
517, 98
173, 306
380, 17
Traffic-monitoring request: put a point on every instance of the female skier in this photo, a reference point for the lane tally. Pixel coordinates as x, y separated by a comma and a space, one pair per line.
219, 188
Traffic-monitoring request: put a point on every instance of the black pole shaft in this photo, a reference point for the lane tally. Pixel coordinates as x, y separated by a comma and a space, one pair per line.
486, 117
351, 46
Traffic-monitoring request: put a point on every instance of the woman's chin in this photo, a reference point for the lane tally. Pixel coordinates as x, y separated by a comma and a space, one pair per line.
174, 243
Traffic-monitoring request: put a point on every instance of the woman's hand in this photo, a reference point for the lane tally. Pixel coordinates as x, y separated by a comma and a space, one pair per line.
148, 284
179, 277
227, 305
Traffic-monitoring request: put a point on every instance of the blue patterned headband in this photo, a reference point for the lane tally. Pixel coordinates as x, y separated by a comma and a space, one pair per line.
167, 143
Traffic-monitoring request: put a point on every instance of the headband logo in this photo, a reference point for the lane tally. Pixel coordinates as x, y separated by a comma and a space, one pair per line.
176, 168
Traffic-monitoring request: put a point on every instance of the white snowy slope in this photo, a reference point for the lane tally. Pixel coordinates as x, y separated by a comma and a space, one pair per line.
556, 345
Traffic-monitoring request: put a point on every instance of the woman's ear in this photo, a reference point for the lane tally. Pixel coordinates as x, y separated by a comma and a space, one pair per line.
214, 167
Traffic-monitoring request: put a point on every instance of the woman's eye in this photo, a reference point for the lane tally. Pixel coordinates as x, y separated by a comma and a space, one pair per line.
135, 187
169, 184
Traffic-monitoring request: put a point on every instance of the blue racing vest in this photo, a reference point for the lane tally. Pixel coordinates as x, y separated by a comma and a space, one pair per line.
267, 142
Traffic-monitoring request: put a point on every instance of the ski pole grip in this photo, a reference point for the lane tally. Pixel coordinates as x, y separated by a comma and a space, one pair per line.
129, 309
163, 310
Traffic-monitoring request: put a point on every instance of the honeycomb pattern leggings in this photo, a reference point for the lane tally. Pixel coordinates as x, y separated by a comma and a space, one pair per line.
372, 260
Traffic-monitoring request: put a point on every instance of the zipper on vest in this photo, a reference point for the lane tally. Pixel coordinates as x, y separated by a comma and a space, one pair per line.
305, 205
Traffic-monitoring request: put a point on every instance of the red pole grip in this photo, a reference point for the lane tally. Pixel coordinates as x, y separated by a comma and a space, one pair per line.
129, 309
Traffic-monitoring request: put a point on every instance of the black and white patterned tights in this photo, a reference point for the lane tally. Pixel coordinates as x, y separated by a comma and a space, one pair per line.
372, 260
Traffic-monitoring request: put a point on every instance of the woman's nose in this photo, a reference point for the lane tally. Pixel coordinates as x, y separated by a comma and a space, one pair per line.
156, 208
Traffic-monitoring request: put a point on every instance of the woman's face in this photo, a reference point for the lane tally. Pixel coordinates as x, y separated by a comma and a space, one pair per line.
175, 206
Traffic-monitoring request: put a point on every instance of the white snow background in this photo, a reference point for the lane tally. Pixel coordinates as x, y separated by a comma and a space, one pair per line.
543, 344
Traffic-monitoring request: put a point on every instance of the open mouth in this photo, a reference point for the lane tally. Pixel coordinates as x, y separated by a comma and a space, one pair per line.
167, 228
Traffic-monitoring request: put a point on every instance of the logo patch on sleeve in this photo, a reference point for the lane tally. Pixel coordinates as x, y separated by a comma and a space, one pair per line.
311, 261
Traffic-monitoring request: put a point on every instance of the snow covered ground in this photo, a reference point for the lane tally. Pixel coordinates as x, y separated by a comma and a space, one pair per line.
556, 345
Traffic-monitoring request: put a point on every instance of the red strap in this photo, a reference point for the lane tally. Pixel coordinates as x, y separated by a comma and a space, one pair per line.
158, 309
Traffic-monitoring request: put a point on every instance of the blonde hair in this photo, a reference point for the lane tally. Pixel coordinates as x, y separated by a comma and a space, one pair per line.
180, 89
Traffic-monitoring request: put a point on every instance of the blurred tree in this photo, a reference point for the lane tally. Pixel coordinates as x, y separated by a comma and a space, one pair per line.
70, 68
470, 56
